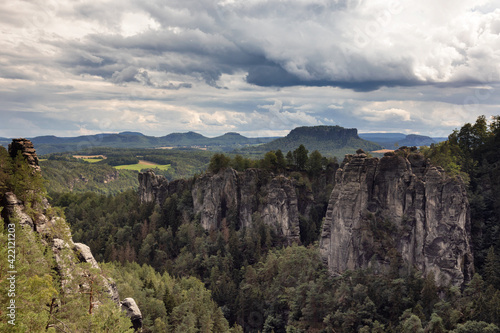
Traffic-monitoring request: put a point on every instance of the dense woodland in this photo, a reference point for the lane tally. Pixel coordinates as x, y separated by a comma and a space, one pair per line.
177, 271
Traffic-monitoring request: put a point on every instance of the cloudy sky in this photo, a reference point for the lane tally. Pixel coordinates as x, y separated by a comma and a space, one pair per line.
260, 68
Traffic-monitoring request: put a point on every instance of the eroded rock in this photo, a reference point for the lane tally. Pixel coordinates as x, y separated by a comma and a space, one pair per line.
399, 202
26, 148
130, 307
233, 198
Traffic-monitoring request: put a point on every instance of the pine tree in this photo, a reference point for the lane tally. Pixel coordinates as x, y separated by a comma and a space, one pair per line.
492, 269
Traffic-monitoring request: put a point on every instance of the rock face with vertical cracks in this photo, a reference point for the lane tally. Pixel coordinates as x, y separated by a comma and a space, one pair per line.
233, 198
399, 207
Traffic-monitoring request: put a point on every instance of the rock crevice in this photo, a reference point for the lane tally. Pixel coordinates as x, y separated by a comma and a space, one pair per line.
233, 198
399, 202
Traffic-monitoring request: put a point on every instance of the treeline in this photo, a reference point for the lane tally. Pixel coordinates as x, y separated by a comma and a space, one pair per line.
275, 161
169, 304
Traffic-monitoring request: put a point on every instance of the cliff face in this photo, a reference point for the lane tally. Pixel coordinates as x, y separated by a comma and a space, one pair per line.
398, 207
233, 198
55, 235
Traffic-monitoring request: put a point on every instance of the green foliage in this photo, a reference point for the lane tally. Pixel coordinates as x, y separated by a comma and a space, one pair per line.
5, 170
79, 176
169, 304
476, 327
218, 162
26, 183
492, 269
300, 157
41, 303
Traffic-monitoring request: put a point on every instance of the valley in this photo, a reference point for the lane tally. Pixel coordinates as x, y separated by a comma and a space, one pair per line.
406, 239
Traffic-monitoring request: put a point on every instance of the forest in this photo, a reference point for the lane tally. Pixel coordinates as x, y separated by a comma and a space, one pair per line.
187, 279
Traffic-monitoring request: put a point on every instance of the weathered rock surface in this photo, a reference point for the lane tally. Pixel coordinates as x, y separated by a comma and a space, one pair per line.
130, 307
231, 197
14, 208
403, 203
54, 232
84, 254
27, 149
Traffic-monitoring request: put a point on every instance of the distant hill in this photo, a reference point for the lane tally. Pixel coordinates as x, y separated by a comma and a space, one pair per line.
394, 140
5, 142
189, 138
227, 142
328, 140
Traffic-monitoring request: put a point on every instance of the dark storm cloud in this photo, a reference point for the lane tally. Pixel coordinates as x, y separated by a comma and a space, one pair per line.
276, 76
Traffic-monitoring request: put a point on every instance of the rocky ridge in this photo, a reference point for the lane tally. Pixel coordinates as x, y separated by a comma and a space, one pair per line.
233, 198
389, 213
399, 207
55, 234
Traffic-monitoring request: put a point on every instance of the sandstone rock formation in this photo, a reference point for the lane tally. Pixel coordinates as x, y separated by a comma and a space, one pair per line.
84, 254
231, 197
54, 232
130, 307
14, 207
398, 206
27, 149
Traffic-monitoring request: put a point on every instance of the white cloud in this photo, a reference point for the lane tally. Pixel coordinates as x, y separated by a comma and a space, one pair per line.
161, 66
392, 114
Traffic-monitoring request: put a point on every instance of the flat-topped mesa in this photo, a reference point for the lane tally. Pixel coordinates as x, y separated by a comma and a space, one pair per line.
398, 207
27, 149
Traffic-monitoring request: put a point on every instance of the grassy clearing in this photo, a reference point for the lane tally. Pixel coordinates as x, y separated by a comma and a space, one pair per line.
92, 160
142, 166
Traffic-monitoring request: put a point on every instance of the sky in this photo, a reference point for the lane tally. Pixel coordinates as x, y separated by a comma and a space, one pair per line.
259, 68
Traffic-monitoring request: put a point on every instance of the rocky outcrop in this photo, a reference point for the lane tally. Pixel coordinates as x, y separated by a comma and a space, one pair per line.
14, 208
26, 148
54, 233
156, 188
399, 206
130, 307
151, 186
84, 254
215, 197
233, 198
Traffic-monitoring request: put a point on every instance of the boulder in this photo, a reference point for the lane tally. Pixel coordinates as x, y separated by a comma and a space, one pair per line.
130, 307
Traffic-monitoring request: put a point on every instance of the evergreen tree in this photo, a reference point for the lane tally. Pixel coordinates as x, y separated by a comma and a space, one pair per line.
218, 162
492, 269
300, 157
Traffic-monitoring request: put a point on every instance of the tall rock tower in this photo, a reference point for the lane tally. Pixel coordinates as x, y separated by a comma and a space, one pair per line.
402, 208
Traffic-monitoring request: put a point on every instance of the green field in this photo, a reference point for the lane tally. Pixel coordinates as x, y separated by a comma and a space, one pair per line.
92, 160
142, 166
